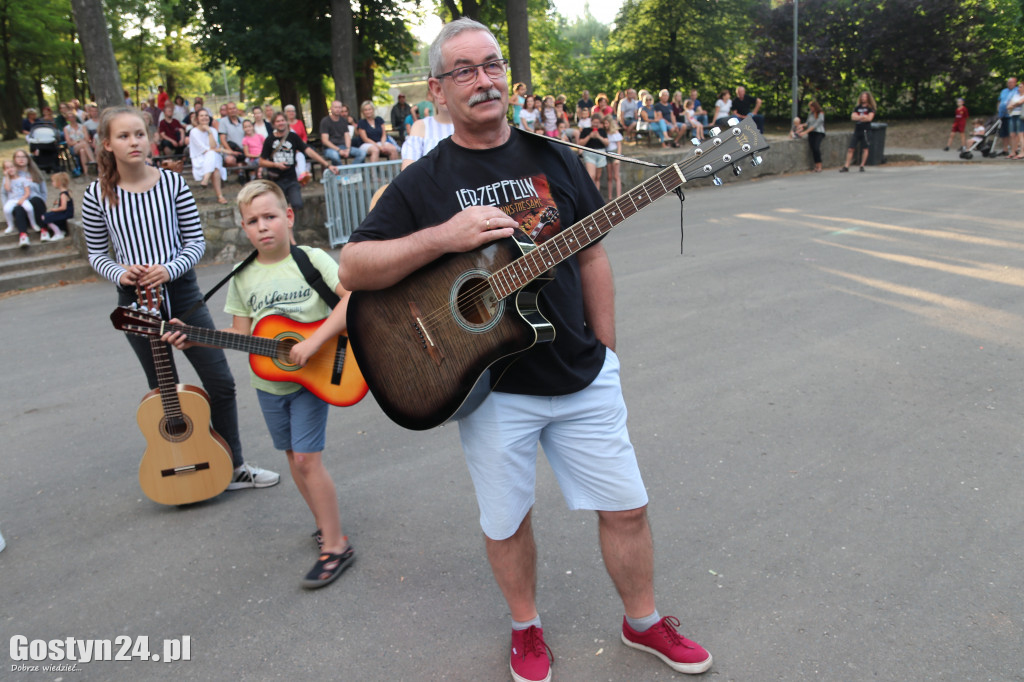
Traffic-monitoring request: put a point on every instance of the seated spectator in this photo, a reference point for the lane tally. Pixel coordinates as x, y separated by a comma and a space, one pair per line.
627, 114
154, 113
674, 128
252, 145
723, 107
205, 151
745, 105
92, 121
399, 112
180, 110
279, 160
529, 116
652, 117
548, 116
584, 101
692, 120
231, 133
154, 150
170, 133
375, 139
294, 123
698, 110
31, 115
678, 110
260, 123
602, 108
336, 137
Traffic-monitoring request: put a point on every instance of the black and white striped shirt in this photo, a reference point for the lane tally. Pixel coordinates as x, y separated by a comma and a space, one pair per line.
157, 227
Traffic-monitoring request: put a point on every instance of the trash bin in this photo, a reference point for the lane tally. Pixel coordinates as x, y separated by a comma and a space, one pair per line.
876, 155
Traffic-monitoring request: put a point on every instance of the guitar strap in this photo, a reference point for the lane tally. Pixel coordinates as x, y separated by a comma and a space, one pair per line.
314, 278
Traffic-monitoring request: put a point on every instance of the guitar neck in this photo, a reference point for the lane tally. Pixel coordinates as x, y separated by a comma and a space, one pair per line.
165, 379
255, 345
566, 243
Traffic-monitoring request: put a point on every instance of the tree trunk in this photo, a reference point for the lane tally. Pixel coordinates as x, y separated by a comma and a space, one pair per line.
317, 106
519, 42
364, 86
342, 54
100, 64
289, 92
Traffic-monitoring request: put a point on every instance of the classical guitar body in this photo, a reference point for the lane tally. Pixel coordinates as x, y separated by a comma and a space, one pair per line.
424, 343
324, 375
186, 461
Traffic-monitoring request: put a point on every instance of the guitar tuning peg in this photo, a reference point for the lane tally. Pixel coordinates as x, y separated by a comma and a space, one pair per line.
717, 181
736, 170
694, 141
715, 131
756, 161
733, 122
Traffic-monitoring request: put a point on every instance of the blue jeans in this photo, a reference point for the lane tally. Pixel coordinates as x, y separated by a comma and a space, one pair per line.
209, 363
660, 127
357, 154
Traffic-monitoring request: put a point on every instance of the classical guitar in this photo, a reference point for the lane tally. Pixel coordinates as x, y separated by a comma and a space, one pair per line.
331, 374
425, 343
185, 461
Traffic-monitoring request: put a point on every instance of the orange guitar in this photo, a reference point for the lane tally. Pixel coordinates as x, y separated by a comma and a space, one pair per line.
332, 374
186, 461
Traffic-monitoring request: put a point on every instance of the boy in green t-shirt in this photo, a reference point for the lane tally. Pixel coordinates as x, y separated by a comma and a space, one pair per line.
297, 419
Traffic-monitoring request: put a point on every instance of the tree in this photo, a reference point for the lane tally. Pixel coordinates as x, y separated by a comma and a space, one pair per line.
519, 41
343, 53
104, 79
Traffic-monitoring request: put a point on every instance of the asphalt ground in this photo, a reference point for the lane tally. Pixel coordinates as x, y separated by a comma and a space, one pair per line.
825, 397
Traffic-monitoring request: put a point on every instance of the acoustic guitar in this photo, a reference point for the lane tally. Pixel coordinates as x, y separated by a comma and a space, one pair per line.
332, 374
186, 461
426, 344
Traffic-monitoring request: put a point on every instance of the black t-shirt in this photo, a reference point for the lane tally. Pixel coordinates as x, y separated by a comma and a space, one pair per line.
335, 130
544, 187
743, 106
599, 141
282, 150
862, 126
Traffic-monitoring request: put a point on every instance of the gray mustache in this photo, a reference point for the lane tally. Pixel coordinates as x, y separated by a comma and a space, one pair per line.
484, 96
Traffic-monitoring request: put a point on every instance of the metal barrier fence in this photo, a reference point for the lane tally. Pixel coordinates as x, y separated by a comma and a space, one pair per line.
347, 195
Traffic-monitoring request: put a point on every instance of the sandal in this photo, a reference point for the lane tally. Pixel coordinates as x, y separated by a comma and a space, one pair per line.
328, 567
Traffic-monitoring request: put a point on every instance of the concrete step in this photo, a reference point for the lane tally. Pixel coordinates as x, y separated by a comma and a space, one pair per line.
63, 272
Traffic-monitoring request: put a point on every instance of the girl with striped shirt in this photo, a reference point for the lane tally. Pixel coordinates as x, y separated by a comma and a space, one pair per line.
148, 218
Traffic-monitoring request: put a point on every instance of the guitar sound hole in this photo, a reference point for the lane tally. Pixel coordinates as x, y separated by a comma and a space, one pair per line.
176, 429
284, 347
476, 301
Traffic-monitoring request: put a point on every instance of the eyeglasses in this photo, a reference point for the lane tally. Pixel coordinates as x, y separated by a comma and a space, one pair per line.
464, 75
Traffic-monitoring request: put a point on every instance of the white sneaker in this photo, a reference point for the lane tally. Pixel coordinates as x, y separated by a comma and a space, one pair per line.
251, 476
57, 234
23, 240
9, 230
44, 237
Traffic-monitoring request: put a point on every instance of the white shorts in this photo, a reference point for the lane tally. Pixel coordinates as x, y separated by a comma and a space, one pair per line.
583, 435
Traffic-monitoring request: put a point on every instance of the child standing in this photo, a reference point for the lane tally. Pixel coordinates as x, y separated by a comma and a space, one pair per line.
63, 209
959, 125
149, 217
614, 146
252, 142
297, 419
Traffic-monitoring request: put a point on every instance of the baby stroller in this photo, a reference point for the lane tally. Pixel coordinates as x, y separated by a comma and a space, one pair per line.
985, 145
44, 145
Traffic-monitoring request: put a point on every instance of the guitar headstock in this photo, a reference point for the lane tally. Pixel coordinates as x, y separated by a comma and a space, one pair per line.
142, 318
724, 148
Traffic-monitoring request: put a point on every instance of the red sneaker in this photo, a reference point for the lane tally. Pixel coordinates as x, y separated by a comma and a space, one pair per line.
530, 660
666, 643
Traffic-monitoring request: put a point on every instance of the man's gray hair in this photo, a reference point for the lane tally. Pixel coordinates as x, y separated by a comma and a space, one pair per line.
449, 31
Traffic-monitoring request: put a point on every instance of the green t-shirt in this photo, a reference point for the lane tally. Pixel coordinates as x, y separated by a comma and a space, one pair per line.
280, 289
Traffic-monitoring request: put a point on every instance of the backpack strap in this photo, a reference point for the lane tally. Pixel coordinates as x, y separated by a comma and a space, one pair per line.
313, 277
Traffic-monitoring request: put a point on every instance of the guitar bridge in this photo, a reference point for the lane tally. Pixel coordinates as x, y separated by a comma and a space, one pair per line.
190, 469
425, 340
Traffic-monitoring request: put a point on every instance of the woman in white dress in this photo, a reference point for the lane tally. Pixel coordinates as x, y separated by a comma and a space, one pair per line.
205, 150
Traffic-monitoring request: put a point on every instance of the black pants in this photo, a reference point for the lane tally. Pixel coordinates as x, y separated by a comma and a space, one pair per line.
815, 140
20, 215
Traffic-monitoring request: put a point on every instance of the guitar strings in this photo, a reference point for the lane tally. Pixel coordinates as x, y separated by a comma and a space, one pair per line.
475, 295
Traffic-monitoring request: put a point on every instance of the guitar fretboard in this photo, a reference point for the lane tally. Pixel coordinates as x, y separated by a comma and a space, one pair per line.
165, 380
257, 345
529, 266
